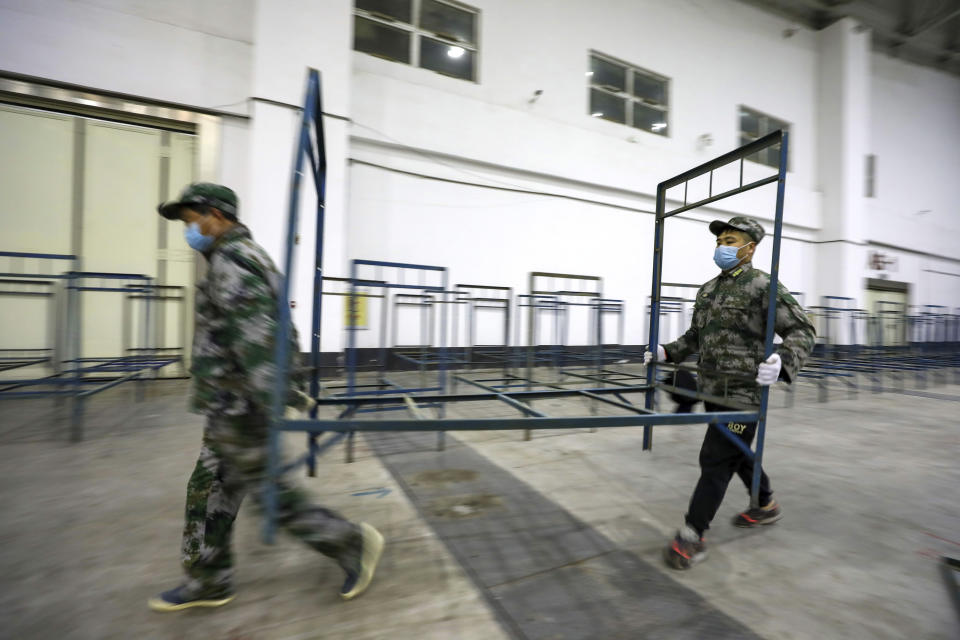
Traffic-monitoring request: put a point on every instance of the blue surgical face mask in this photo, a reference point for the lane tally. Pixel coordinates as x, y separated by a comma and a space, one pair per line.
726, 257
196, 239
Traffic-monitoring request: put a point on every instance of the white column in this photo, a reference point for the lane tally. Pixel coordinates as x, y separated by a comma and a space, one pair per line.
289, 37
843, 122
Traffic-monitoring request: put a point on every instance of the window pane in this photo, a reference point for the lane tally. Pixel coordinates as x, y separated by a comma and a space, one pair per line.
607, 106
398, 9
763, 157
444, 58
749, 123
608, 74
649, 119
381, 40
773, 156
746, 139
449, 22
652, 90
773, 125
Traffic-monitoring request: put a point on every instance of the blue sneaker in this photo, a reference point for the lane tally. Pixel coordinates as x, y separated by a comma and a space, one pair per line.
370, 550
178, 600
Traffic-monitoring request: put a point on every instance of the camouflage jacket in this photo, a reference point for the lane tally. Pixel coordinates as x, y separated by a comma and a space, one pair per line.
728, 330
236, 316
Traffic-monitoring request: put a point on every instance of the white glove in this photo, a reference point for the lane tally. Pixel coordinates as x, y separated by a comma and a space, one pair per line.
293, 413
769, 371
661, 355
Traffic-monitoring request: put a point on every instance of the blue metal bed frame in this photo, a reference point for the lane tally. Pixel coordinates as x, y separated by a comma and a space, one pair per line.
77, 377
310, 146
926, 345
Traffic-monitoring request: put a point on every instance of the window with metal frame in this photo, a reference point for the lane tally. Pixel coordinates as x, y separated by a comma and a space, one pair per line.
627, 94
754, 125
439, 35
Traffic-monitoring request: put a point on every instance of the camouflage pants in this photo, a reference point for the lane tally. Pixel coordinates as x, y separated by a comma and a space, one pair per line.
232, 463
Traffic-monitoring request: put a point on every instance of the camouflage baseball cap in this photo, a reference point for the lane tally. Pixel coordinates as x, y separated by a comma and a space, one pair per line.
741, 223
213, 195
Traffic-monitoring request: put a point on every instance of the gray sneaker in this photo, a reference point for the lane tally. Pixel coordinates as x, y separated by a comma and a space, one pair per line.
686, 549
754, 517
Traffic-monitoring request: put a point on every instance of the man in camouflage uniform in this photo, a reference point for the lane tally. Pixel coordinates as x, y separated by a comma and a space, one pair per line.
728, 330
233, 376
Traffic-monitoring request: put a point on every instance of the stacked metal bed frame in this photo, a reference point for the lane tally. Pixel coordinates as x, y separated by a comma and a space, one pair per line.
458, 328
427, 407
67, 374
894, 349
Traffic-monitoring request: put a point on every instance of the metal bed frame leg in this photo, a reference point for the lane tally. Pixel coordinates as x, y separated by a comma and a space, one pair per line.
531, 348
442, 435
61, 350
771, 319
655, 310
74, 320
140, 380
312, 115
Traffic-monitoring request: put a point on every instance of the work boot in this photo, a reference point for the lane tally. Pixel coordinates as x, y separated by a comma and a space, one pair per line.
686, 549
370, 550
753, 517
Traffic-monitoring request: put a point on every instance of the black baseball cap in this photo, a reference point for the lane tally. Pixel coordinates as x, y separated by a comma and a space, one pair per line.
203, 193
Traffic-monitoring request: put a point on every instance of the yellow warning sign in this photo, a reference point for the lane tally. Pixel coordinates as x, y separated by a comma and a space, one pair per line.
355, 311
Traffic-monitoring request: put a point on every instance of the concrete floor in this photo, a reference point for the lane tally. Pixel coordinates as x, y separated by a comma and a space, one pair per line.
559, 537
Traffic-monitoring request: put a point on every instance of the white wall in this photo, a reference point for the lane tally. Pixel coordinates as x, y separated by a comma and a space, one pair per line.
234, 166
916, 138
195, 53
292, 36
410, 119
730, 54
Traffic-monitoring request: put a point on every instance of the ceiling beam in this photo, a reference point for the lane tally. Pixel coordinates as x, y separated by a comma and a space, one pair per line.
906, 17
897, 41
823, 12
946, 15
951, 44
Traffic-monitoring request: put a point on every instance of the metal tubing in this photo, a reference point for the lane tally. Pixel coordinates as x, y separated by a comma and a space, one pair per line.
41, 256
403, 265
657, 276
721, 196
771, 318
545, 394
768, 140
516, 404
534, 422
311, 113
